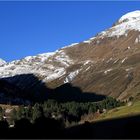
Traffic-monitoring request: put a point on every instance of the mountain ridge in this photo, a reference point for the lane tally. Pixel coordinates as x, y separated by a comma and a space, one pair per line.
106, 64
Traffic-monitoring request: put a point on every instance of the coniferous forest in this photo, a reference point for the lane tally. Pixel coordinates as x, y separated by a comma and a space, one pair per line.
53, 116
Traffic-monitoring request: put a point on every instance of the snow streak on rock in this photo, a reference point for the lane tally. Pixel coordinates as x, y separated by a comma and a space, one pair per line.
71, 76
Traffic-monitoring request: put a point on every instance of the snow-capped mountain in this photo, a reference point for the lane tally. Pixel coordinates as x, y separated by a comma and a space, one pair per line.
129, 21
2, 62
106, 64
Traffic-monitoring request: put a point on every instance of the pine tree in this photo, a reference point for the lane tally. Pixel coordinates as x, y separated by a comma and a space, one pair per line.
13, 116
37, 112
20, 112
1, 113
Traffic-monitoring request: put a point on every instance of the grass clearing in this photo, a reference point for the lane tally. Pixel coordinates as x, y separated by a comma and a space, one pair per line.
123, 111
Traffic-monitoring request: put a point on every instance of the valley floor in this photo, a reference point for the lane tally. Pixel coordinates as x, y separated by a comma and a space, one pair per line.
120, 122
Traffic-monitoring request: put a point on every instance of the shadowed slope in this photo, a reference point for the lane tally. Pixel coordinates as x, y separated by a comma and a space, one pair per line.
67, 92
127, 127
30, 87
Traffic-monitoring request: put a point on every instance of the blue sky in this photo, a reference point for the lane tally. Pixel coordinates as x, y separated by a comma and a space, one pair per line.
30, 28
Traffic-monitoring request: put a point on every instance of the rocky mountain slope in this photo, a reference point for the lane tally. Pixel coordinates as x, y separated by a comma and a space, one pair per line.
106, 64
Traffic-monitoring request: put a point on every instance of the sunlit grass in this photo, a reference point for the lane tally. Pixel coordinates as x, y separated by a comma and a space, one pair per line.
126, 110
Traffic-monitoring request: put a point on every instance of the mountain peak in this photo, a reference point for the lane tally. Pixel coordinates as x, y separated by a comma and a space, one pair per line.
128, 22
135, 15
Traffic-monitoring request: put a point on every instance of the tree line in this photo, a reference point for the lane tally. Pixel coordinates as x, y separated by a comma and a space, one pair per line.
69, 112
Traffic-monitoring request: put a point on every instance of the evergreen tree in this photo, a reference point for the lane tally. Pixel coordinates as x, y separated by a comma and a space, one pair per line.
28, 112
13, 116
92, 109
37, 112
20, 112
1, 113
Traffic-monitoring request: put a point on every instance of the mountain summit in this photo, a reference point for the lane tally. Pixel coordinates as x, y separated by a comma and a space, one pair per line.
106, 64
135, 15
129, 21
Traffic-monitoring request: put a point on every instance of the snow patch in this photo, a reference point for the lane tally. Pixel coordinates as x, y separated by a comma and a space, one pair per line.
126, 34
137, 40
71, 45
71, 76
124, 59
128, 47
87, 68
128, 69
56, 74
110, 59
118, 36
63, 58
116, 61
105, 72
89, 40
87, 62
97, 42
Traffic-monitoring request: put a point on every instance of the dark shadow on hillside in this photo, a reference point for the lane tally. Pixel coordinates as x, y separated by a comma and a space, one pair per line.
41, 128
127, 127
68, 92
29, 88
26, 87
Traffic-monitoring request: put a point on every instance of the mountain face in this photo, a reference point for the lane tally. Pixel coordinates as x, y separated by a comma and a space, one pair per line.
107, 64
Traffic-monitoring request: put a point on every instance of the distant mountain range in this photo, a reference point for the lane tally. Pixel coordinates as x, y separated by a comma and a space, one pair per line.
107, 64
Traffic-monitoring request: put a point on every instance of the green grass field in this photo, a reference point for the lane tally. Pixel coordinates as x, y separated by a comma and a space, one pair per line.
123, 111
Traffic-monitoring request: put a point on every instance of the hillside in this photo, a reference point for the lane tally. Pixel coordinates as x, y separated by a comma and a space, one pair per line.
106, 64
120, 112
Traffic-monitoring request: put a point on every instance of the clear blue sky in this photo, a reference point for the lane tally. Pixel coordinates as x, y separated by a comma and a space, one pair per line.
29, 28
